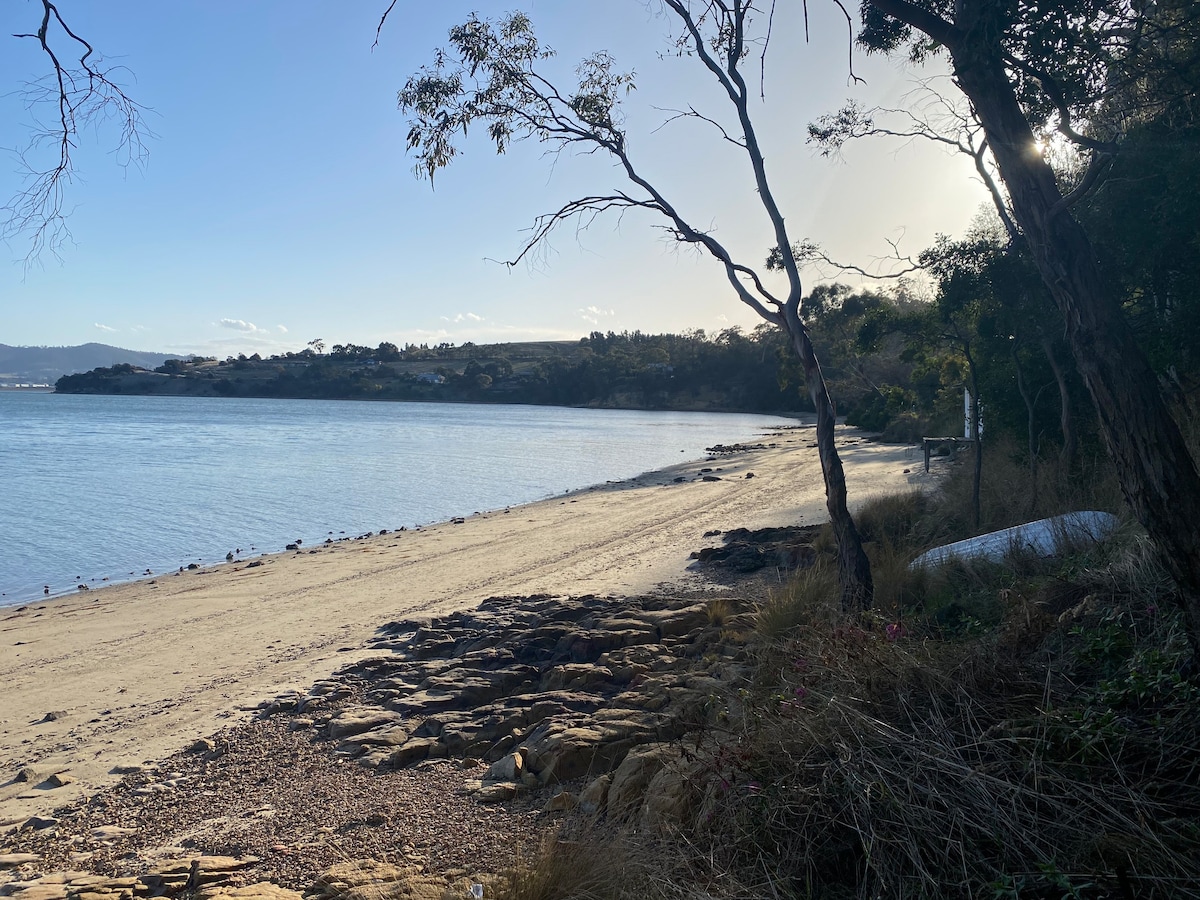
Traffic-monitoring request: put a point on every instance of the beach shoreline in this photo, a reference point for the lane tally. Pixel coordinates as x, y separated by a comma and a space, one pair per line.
217, 503
108, 679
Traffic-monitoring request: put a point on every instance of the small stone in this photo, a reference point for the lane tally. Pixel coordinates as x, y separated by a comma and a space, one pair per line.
497, 793
508, 768
58, 779
38, 823
562, 802
111, 832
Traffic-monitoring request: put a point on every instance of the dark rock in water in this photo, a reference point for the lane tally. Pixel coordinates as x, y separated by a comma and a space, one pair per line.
292, 547
229, 556
192, 567
712, 477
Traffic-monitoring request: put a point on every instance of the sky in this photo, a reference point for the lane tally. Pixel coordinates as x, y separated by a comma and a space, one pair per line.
278, 204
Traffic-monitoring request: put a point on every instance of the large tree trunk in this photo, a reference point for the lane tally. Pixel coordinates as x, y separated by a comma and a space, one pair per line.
1158, 476
854, 569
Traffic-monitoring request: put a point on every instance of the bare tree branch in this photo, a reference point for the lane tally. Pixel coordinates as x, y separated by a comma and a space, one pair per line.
83, 93
807, 252
691, 113
932, 117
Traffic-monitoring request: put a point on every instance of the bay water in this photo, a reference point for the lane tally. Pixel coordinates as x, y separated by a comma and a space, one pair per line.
111, 488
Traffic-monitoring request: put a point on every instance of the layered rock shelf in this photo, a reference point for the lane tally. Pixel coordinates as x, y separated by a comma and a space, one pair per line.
547, 691
450, 744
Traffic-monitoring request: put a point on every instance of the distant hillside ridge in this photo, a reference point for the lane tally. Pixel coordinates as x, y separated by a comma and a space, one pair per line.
45, 365
729, 372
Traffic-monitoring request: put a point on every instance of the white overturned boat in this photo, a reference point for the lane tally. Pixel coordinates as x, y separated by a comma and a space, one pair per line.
1045, 537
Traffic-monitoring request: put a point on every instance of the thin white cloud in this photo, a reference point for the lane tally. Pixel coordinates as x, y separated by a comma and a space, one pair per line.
241, 325
100, 327
282, 329
593, 314
459, 318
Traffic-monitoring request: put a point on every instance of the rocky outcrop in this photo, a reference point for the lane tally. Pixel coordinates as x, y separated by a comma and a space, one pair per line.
595, 704
548, 690
744, 550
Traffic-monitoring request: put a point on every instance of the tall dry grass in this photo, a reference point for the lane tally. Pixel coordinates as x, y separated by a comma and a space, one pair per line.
1027, 729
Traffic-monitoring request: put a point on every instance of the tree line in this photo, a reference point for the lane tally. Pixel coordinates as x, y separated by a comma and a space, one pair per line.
729, 370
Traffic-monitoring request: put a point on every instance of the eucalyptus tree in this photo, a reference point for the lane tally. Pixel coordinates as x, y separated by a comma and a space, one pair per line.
1076, 72
493, 74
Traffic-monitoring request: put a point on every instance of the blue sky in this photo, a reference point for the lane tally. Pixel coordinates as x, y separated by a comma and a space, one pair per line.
278, 205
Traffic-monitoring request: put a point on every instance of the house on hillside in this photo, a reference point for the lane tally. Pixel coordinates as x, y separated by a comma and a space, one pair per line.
430, 378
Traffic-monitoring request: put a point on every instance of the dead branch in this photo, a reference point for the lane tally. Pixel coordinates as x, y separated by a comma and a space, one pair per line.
83, 93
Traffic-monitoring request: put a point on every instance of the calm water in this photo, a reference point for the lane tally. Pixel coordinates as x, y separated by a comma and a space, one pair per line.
108, 487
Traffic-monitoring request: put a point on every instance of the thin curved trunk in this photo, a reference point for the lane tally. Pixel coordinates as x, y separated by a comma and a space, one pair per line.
977, 436
1070, 444
1030, 431
854, 568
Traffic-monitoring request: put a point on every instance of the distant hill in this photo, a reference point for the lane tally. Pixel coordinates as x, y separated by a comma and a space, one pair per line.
45, 365
623, 371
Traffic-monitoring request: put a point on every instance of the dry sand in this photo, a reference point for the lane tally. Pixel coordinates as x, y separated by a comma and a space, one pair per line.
132, 673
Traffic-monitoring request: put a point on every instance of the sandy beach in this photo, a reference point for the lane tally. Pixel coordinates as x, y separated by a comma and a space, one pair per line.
131, 673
